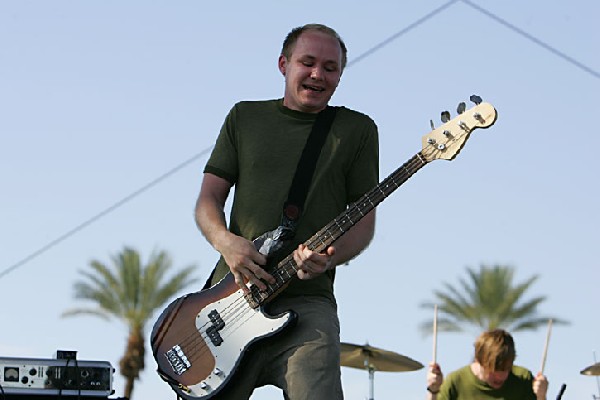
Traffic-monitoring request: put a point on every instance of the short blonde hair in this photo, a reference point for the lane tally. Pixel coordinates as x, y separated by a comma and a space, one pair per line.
495, 350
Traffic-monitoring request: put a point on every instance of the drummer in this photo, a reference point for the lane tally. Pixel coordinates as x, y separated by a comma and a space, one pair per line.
491, 375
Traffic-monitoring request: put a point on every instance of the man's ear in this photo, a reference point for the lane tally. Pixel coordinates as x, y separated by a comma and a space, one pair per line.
282, 64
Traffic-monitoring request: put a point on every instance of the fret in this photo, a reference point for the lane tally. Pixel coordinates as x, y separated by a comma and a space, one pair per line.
341, 228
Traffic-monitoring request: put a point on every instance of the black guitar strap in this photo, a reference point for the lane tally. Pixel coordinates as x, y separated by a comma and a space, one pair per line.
293, 207
270, 242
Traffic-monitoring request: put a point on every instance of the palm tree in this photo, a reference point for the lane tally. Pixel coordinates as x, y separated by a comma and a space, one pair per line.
130, 292
487, 300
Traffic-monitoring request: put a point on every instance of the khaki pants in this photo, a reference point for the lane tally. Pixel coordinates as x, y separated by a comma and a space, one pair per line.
303, 360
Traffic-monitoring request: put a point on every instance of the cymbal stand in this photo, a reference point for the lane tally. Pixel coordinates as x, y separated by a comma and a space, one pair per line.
371, 370
597, 381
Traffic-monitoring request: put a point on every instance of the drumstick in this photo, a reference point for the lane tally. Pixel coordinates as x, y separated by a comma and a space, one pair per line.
434, 332
546, 345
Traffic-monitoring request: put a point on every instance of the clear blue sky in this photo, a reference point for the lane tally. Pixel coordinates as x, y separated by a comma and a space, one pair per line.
99, 98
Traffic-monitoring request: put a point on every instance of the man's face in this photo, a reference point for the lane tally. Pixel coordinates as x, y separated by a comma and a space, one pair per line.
496, 379
312, 72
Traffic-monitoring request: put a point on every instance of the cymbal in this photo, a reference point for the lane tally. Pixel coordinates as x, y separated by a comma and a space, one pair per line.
371, 358
591, 370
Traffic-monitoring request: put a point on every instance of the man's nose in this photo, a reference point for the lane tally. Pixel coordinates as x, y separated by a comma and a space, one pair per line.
316, 73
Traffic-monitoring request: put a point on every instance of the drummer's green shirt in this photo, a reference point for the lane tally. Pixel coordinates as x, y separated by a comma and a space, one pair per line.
462, 384
257, 151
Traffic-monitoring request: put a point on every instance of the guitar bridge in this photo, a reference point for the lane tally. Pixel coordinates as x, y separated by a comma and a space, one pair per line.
178, 360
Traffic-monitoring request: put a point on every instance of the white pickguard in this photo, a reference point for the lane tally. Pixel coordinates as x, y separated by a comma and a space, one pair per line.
243, 325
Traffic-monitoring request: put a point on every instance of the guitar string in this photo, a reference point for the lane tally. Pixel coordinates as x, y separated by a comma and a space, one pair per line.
193, 348
354, 213
191, 334
239, 307
225, 313
192, 340
237, 303
201, 348
232, 324
230, 316
236, 314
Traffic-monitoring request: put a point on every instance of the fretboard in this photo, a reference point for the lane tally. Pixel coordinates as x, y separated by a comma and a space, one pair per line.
286, 269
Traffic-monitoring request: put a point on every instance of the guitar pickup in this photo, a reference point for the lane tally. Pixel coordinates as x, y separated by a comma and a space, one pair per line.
213, 330
214, 335
216, 320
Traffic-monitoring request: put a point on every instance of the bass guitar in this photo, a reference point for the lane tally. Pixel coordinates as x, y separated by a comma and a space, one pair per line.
200, 338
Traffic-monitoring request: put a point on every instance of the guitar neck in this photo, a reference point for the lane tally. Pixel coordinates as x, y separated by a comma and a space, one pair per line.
355, 212
286, 269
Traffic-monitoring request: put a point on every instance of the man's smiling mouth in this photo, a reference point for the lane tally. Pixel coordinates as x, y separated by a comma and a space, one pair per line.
313, 88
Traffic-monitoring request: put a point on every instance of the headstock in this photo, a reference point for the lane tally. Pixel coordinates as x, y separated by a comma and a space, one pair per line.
446, 141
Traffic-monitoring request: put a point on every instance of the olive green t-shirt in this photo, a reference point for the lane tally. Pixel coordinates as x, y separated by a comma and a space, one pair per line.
258, 150
462, 384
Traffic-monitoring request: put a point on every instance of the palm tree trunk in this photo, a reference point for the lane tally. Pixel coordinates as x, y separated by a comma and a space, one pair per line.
132, 361
129, 383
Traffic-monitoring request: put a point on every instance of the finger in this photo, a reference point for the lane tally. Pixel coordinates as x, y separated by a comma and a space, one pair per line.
308, 254
304, 274
330, 251
302, 259
239, 280
298, 257
318, 267
253, 279
260, 273
303, 253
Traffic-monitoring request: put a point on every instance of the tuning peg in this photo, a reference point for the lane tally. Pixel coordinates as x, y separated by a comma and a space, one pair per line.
475, 99
461, 107
445, 116
431, 124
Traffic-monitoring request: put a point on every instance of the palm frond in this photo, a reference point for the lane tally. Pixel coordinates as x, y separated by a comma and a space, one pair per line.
487, 298
130, 291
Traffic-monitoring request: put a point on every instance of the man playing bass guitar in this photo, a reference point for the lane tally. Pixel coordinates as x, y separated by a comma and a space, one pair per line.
257, 153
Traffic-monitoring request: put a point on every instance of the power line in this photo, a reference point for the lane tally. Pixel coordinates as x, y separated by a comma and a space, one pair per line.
194, 158
103, 213
350, 63
401, 32
537, 41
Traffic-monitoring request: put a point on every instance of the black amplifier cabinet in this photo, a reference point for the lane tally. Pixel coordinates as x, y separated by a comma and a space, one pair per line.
32, 377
